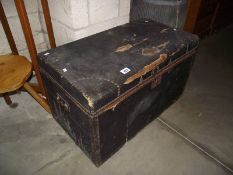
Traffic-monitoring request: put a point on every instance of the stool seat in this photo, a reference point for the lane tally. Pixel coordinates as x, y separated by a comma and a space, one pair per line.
14, 72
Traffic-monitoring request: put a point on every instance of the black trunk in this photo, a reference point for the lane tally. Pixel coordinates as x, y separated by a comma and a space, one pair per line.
104, 88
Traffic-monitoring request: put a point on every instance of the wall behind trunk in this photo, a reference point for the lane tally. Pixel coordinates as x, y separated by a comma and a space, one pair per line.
71, 19
76, 19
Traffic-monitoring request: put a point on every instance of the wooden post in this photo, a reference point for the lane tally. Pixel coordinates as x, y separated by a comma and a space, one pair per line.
34, 94
48, 23
29, 39
7, 99
7, 30
34, 86
192, 15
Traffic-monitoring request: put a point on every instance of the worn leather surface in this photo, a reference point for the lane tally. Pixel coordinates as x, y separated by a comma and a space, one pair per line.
89, 68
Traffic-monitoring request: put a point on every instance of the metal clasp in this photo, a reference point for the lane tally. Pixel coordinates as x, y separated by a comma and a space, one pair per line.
157, 77
62, 103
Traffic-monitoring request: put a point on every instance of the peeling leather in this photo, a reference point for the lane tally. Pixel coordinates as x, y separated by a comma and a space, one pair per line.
154, 50
147, 68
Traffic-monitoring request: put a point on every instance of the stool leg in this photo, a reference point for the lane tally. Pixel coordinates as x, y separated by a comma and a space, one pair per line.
7, 99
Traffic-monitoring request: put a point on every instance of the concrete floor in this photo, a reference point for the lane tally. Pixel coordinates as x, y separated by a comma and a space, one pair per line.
194, 136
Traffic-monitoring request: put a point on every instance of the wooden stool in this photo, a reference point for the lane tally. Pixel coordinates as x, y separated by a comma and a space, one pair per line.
14, 72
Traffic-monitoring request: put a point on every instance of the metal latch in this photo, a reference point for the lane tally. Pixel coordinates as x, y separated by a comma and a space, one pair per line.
62, 103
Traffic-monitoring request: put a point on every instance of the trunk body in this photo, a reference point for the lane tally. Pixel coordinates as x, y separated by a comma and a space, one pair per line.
105, 88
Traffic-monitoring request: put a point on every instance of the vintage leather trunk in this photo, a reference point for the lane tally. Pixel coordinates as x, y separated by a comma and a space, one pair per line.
104, 88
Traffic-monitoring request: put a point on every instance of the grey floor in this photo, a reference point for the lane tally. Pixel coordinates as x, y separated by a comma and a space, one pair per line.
194, 136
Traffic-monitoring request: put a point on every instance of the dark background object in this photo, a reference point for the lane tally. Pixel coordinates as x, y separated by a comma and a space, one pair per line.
170, 12
202, 17
205, 17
